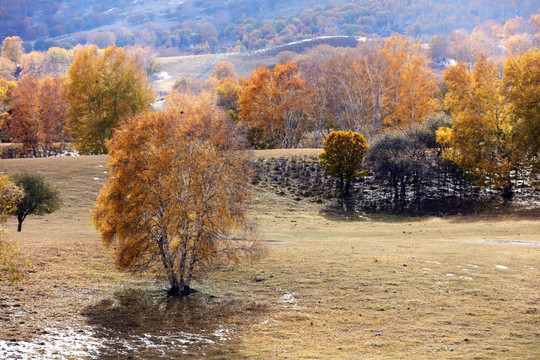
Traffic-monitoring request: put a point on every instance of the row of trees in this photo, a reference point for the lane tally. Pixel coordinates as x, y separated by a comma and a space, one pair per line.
384, 85
492, 137
495, 132
101, 88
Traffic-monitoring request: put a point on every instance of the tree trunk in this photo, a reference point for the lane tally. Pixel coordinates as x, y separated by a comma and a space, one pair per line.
20, 218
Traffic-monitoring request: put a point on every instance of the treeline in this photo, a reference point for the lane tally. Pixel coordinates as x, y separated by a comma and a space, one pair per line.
381, 90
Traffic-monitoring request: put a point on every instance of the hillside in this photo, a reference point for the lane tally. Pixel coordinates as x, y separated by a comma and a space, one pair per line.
201, 66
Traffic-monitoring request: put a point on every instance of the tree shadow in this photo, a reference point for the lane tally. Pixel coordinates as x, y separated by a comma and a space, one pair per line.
140, 324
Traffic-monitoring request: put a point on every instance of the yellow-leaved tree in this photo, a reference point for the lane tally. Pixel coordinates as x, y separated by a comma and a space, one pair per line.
522, 92
342, 157
11, 265
480, 140
176, 197
103, 87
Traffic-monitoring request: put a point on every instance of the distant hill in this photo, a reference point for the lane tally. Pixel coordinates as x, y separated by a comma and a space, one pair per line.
201, 66
181, 27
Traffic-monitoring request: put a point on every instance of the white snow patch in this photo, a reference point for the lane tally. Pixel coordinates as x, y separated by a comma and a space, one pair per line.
501, 267
96, 178
287, 298
426, 269
80, 344
466, 277
450, 275
163, 75
471, 265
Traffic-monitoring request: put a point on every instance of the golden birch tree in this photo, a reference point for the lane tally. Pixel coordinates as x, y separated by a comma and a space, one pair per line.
274, 101
522, 92
480, 140
176, 197
103, 87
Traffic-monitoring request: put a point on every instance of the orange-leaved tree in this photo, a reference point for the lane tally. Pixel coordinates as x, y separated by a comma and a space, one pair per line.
409, 85
272, 103
103, 87
37, 115
342, 157
176, 196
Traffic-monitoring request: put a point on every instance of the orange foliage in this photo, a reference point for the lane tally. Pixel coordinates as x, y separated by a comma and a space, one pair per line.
177, 191
37, 114
275, 102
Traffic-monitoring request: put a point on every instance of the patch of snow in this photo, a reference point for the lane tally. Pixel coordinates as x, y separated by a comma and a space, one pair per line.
450, 275
79, 344
96, 178
501, 267
163, 75
426, 269
287, 298
513, 242
466, 277
472, 265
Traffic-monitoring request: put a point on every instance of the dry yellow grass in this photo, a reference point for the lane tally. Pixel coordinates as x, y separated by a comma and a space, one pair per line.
380, 288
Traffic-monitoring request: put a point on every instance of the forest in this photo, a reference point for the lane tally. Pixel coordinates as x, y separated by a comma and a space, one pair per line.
198, 27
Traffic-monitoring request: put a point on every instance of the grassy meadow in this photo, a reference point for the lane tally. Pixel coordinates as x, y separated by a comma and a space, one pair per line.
383, 287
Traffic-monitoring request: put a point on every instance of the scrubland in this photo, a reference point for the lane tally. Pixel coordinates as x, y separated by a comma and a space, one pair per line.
379, 287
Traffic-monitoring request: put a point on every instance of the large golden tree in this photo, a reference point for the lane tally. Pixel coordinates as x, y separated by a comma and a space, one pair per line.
275, 101
522, 92
177, 191
103, 87
481, 138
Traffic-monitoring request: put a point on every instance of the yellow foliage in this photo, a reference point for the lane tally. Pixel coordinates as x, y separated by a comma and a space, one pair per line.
103, 88
480, 140
11, 265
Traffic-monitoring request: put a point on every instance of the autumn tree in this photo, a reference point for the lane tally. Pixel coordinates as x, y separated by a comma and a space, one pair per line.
40, 197
227, 92
480, 139
274, 102
12, 48
37, 115
342, 157
6, 89
7, 69
103, 87
11, 265
224, 69
176, 196
34, 63
409, 86
521, 79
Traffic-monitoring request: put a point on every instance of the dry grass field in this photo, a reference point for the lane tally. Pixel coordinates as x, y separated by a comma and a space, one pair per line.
383, 287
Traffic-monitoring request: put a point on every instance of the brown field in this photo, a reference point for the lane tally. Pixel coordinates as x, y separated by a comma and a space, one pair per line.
384, 287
